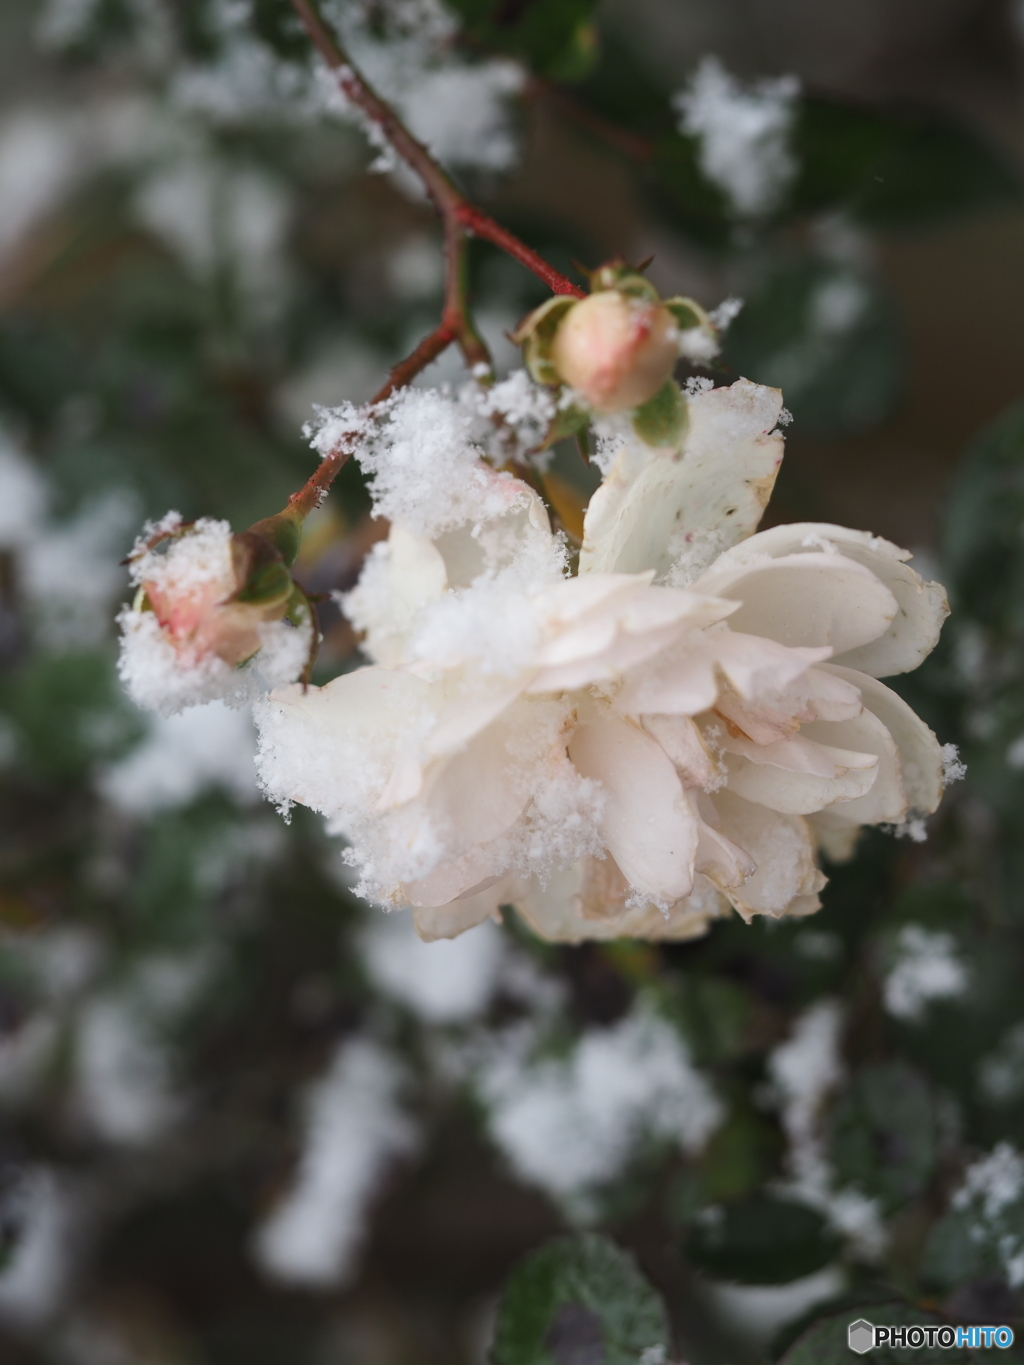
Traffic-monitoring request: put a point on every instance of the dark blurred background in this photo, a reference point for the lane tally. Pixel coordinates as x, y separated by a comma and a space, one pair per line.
244, 1120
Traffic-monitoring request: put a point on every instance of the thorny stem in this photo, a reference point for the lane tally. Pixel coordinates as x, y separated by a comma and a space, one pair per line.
462, 219
315, 488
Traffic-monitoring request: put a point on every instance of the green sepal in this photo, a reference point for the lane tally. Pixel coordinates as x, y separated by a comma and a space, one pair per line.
259, 570
284, 531
663, 419
688, 314
537, 332
301, 612
629, 282
566, 422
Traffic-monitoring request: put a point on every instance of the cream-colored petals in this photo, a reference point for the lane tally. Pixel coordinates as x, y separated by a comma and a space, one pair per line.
598, 627
808, 599
919, 750
647, 825
400, 576
460, 879
472, 796
657, 507
684, 744
718, 858
340, 744
837, 840
786, 879
448, 921
589, 901
913, 632
686, 679
800, 793
886, 800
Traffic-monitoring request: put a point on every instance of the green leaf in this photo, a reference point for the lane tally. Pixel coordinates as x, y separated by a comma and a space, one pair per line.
986, 509
829, 339
662, 420
761, 1240
893, 168
694, 203
578, 1301
883, 1134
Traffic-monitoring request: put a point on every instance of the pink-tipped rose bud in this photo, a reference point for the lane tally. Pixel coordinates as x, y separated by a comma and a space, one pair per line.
191, 588
208, 601
616, 351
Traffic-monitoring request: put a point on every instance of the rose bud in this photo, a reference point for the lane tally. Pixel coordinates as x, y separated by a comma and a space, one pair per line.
208, 601
615, 350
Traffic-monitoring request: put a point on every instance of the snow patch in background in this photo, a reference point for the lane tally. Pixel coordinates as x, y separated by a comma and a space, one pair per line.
927, 968
570, 1124
744, 134
354, 1129
184, 755
445, 982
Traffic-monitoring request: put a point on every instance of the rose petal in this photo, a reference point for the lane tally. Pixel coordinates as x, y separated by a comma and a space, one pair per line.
647, 823
469, 797
919, 749
887, 799
815, 695
718, 858
786, 880
565, 909
805, 599
800, 793
657, 505
684, 745
923, 607
338, 745
448, 921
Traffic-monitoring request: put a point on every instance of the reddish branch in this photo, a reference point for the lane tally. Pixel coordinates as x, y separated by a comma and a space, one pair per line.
315, 488
461, 220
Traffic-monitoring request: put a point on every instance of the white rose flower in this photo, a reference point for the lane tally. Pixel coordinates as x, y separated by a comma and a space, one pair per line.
629, 751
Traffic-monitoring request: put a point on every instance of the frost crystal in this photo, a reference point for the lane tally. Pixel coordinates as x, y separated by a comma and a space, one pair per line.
184, 639
744, 134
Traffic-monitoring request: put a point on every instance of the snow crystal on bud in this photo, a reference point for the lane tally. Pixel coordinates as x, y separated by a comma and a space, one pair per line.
744, 134
152, 671
186, 648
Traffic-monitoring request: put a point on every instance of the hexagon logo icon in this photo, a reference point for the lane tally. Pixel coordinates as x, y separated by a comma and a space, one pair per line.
861, 1336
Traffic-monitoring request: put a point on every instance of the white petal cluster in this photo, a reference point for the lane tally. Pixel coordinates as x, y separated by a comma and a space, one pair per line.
629, 751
